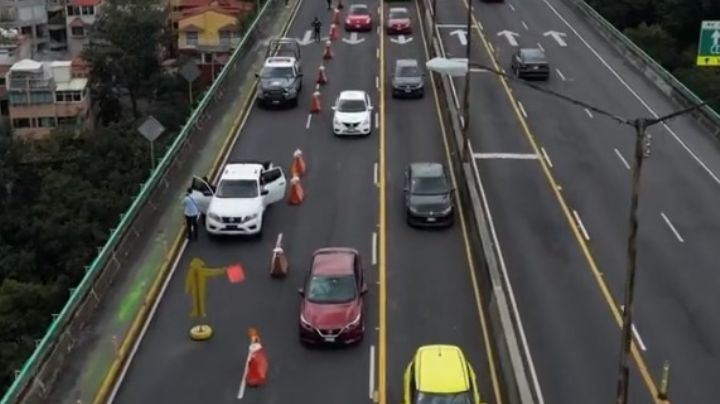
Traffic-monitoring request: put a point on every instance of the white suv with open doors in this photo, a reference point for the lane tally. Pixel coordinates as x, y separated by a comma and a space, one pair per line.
237, 205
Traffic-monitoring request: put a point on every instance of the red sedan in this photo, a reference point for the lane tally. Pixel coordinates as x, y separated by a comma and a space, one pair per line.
331, 310
358, 18
398, 21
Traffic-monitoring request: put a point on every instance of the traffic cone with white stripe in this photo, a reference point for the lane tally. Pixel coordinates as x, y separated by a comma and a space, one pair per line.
336, 16
257, 364
333, 32
298, 164
328, 53
315, 105
297, 195
322, 77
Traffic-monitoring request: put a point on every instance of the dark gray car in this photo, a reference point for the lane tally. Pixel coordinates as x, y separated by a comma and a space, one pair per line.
428, 195
408, 80
530, 63
280, 82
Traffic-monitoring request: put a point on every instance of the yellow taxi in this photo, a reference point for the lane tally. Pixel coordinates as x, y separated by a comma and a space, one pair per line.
440, 374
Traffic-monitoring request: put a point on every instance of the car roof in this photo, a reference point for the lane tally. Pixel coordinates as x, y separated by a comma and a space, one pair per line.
406, 62
352, 95
241, 171
398, 10
427, 169
279, 61
441, 369
532, 53
356, 6
334, 261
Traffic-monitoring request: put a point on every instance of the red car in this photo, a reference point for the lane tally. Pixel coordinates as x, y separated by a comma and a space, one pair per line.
358, 18
398, 21
331, 310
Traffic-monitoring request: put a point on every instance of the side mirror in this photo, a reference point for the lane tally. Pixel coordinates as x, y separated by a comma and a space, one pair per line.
264, 192
300, 75
333, 108
370, 107
301, 291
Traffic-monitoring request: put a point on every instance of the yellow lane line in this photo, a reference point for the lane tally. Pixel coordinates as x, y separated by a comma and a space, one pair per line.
490, 353
382, 234
614, 308
131, 336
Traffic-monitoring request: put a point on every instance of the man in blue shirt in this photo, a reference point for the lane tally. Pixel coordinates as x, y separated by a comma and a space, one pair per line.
192, 214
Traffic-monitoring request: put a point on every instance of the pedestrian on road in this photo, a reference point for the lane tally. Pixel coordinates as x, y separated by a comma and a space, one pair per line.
192, 213
329, 2
316, 24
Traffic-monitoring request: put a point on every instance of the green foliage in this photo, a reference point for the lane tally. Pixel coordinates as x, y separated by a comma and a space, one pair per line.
667, 30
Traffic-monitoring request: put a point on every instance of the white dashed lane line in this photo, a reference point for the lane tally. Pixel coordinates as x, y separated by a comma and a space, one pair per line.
672, 228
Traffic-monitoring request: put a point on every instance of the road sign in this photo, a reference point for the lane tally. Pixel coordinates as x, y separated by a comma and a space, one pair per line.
709, 44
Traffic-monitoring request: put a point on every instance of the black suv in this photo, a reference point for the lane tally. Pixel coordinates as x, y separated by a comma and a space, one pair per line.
428, 195
530, 63
408, 80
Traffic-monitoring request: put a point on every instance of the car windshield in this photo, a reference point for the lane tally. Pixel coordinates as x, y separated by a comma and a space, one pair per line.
359, 10
533, 55
429, 186
237, 189
331, 289
398, 15
351, 106
276, 72
433, 398
408, 71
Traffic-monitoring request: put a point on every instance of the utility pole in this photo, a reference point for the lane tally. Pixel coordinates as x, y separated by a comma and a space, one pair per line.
466, 94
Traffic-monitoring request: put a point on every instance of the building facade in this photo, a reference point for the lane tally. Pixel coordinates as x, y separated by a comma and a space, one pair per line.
80, 16
44, 96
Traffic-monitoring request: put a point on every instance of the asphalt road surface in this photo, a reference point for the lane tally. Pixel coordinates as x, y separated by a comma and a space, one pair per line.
562, 224
430, 292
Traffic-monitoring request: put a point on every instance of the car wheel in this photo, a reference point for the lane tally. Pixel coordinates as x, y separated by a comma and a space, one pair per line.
294, 102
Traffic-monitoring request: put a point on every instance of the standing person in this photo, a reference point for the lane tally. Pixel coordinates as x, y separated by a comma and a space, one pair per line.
316, 24
329, 2
192, 213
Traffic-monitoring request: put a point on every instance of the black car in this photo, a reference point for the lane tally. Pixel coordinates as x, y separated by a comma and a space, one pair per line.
530, 63
428, 195
408, 80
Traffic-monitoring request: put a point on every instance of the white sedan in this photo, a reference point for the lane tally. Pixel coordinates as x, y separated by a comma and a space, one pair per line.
353, 114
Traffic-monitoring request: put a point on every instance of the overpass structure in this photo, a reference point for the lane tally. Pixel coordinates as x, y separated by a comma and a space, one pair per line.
528, 282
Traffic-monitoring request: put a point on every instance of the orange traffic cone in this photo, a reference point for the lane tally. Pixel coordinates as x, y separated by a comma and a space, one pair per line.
257, 364
279, 263
322, 77
297, 195
336, 16
315, 105
328, 54
333, 32
340, 5
298, 164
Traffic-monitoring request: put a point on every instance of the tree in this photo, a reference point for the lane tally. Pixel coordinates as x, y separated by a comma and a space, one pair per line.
656, 42
123, 50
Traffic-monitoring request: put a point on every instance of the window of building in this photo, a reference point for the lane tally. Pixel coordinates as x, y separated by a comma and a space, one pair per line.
18, 98
191, 38
46, 122
73, 10
77, 31
88, 10
41, 97
68, 96
21, 123
2, 80
67, 120
207, 58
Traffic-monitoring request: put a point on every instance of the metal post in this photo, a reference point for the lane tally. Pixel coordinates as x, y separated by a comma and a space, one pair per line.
466, 94
152, 156
190, 93
624, 370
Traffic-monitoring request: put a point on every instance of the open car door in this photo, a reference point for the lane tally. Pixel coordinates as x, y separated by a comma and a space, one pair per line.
202, 194
273, 185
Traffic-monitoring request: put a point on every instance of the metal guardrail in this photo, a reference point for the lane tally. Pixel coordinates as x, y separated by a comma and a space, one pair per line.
36, 374
516, 387
664, 80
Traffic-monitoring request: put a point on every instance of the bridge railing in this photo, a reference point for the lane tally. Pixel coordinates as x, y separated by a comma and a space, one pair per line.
33, 381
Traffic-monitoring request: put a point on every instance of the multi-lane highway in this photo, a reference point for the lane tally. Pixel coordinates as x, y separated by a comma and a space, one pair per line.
557, 182
421, 285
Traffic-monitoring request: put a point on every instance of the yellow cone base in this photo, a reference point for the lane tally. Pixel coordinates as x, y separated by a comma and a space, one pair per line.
201, 332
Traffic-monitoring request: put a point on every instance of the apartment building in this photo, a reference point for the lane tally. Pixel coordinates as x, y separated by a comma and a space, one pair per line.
46, 95
80, 16
57, 25
30, 18
13, 48
208, 32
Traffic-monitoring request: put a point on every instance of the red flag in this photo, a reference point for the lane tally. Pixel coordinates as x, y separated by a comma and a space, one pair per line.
235, 273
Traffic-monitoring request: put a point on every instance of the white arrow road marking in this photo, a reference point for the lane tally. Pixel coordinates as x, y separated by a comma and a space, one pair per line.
462, 36
354, 40
401, 39
558, 37
307, 39
510, 36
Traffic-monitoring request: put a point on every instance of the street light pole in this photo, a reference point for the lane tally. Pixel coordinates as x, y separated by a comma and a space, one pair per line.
466, 93
627, 313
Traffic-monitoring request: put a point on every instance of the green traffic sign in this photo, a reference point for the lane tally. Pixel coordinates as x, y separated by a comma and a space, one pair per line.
709, 44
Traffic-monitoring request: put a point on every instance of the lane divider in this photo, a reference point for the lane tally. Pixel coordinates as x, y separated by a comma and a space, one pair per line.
130, 339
